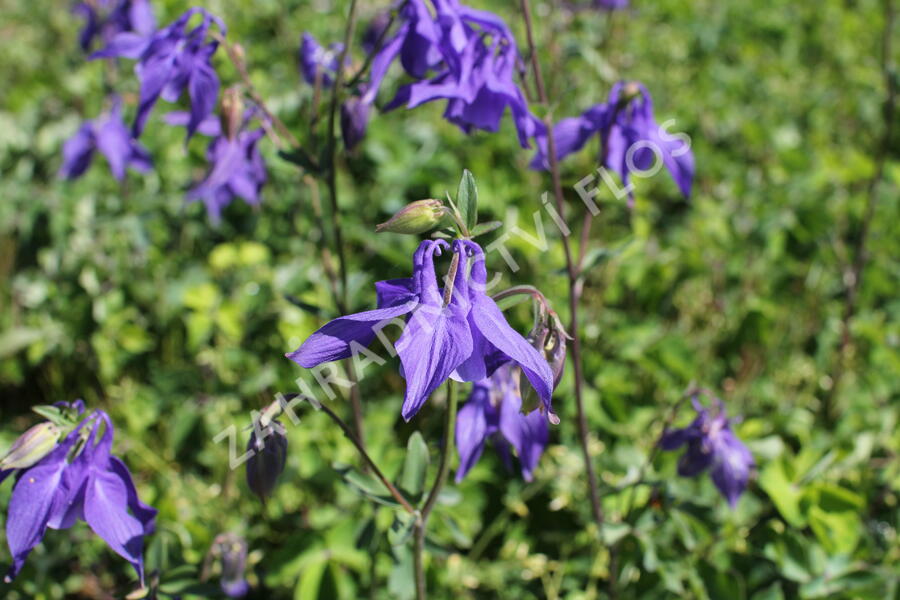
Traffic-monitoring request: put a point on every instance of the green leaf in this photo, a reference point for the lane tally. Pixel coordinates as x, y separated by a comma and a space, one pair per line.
311, 579
838, 532
467, 200
783, 492
483, 228
402, 528
366, 485
415, 466
401, 582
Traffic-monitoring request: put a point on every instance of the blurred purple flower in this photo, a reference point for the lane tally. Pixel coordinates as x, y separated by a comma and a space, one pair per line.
134, 16
493, 412
611, 4
467, 339
109, 135
712, 445
237, 168
316, 61
632, 140
171, 60
266, 464
473, 57
231, 549
79, 479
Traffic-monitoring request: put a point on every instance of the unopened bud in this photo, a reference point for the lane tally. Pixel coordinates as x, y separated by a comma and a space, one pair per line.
416, 217
238, 52
232, 112
32, 446
268, 460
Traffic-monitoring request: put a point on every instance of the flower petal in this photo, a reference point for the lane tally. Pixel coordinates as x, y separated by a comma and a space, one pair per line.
471, 429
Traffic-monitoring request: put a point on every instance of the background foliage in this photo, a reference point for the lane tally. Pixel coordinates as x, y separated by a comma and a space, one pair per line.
127, 297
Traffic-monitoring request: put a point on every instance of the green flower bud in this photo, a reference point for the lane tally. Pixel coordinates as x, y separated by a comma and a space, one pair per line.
416, 217
32, 446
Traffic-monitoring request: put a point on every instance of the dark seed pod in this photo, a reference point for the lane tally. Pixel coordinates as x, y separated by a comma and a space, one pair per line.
268, 459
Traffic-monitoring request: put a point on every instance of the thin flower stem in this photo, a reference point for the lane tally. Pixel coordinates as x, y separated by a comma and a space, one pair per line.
331, 148
398, 496
574, 287
440, 480
331, 179
860, 251
238, 61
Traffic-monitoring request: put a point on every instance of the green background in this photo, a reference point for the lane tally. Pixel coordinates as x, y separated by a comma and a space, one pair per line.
127, 297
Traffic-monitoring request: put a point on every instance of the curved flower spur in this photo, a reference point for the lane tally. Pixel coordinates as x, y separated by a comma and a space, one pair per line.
455, 332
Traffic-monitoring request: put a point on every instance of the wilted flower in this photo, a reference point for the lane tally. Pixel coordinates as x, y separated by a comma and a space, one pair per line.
171, 60
32, 446
493, 412
711, 444
79, 479
631, 138
126, 16
467, 338
414, 218
267, 462
109, 135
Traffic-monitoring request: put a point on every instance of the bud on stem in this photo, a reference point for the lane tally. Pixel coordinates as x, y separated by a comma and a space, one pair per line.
414, 218
31, 447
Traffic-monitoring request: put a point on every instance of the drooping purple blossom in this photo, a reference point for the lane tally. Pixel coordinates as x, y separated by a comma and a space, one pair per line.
713, 446
466, 339
317, 61
467, 57
78, 479
237, 169
631, 139
111, 137
267, 462
171, 60
493, 412
104, 19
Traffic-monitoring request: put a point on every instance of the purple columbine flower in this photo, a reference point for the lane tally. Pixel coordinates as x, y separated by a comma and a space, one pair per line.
711, 444
109, 135
467, 57
79, 479
493, 412
237, 169
630, 137
126, 16
171, 60
316, 61
467, 339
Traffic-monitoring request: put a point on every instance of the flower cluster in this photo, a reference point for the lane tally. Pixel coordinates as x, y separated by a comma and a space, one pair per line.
453, 52
170, 61
494, 412
77, 478
459, 333
712, 445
